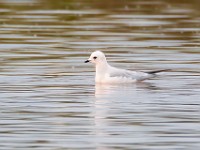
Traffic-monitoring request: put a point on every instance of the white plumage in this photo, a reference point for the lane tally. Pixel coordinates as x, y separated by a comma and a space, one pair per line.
109, 74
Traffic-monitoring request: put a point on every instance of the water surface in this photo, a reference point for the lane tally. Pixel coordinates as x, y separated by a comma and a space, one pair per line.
48, 98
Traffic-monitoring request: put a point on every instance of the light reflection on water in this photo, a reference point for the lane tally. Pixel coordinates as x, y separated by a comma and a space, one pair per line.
48, 96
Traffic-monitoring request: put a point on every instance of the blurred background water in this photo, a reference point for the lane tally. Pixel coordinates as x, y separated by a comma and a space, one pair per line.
48, 98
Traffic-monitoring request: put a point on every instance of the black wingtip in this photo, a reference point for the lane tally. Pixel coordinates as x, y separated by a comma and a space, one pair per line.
158, 71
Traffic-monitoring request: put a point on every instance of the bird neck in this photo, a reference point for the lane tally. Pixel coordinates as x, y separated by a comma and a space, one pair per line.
101, 70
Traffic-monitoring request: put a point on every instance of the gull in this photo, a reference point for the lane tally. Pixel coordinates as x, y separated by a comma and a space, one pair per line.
106, 73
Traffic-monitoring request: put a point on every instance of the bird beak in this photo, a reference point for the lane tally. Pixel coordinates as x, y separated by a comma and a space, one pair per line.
87, 61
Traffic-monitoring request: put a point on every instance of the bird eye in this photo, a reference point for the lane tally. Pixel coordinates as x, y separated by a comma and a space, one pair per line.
94, 57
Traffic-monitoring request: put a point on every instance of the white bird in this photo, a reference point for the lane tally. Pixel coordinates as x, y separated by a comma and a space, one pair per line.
108, 74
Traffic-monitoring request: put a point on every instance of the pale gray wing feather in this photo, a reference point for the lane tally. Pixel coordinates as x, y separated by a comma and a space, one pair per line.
134, 75
122, 74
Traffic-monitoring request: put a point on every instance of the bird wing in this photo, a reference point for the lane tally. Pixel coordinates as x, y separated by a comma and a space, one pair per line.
134, 75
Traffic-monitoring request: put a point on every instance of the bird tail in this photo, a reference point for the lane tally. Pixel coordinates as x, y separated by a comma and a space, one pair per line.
158, 71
